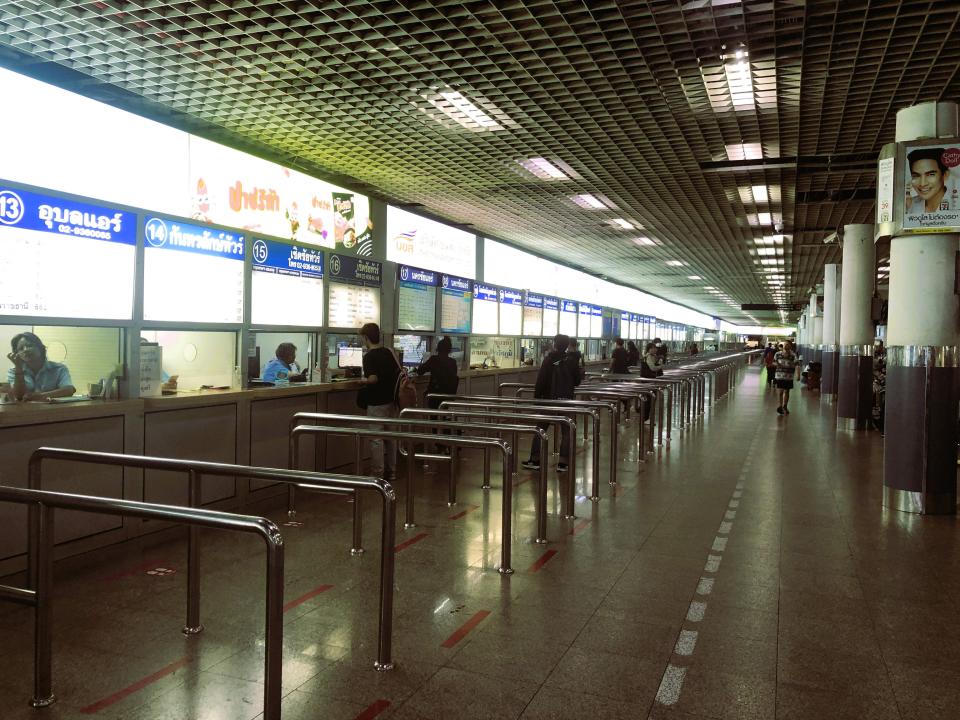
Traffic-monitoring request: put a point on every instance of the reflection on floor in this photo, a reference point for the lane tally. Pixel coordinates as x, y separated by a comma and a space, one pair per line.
747, 572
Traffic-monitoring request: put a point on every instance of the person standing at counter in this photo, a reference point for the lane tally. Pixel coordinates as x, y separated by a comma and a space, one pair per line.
555, 381
443, 372
32, 376
619, 358
285, 362
576, 360
381, 370
633, 354
651, 362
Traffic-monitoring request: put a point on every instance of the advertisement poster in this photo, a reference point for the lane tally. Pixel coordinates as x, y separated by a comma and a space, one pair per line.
232, 188
415, 240
511, 312
486, 310
932, 182
65, 259
533, 315
885, 190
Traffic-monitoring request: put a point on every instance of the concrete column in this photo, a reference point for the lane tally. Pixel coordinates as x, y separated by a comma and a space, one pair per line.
831, 331
920, 455
855, 340
814, 329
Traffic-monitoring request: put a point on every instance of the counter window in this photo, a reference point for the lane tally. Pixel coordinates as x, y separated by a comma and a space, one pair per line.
77, 357
413, 349
274, 353
491, 351
196, 360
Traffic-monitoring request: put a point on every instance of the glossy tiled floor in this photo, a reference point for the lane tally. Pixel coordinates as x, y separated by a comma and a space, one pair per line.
747, 572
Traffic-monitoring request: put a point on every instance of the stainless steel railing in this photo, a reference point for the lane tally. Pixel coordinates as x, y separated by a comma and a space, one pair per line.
502, 446
419, 417
196, 469
39, 595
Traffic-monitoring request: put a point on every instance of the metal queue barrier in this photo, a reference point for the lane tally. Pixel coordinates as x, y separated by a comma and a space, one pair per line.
631, 395
549, 413
575, 407
43, 503
407, 419
505, 449
656, 397
665, 396
555, 420
196, 469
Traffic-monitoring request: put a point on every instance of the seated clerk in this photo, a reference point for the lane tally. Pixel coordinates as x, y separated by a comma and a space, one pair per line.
285, 360
32, 376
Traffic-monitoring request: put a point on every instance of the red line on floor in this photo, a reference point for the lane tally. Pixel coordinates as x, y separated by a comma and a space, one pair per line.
579, 526
303, 598
415, 539
149, 565
541, 561
373, 710
464, 512
136, 687
461, 632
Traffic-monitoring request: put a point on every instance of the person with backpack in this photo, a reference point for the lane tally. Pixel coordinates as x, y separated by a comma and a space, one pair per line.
555, 381
576, 361
381, 377
619, 358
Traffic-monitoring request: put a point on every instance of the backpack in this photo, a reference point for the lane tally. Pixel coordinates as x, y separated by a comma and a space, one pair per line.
562, 376
405, 391
576, 367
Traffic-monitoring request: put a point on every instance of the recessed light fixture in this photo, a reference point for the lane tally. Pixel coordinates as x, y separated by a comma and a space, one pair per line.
744, 151
644, 241
675, 263
589, 202
709, 287
621, 223
766, 251
543, 169
694, 277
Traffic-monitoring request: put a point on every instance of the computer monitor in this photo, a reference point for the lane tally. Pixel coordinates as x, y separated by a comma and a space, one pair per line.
349, 357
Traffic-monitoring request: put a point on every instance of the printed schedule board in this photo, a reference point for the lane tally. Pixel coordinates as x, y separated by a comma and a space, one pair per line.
551, 317
485, 310
583, 321
354, 291
65, 259
287, 284
511, 312
596, 321
456, 296
192, 273
533, 315
417, 299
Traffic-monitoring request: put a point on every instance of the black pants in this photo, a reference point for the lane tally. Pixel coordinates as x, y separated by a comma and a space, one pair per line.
564, 443
771, 371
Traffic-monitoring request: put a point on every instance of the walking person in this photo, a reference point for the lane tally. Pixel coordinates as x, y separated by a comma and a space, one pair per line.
555, 381
786, 369
769, 364
378, 396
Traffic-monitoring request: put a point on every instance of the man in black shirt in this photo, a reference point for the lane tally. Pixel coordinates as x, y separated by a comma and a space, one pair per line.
619, 359
379, 395
555, 381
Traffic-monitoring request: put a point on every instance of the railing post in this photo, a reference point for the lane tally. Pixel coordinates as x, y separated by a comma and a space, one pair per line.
454, 474
614, 449
294, 462
409, 522
357, 548
506, 530
486, 469
41, 551
544, 481
193, 625
387, 543
595, 469
273, 655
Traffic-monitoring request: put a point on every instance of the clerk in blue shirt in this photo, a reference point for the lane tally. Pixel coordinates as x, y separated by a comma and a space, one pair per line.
286, 360
32, 376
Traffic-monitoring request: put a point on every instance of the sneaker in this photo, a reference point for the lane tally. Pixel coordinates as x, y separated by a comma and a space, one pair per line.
561, 467
530, 465
779, 411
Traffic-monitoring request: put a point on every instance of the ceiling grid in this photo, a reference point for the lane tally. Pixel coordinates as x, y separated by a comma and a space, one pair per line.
732, 135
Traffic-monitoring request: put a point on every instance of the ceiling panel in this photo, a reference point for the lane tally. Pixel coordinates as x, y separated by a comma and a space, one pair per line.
708, 125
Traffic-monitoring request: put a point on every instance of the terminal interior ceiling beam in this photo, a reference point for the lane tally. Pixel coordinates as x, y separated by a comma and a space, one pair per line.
613, 137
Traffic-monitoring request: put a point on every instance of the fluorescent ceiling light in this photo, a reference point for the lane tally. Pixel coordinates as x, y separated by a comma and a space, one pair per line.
675, 263
769, 240
709, 287
461, 110
543, 169
644, 241
589, 202
766, 251
770, 261
622, 224
694, 277
745, 151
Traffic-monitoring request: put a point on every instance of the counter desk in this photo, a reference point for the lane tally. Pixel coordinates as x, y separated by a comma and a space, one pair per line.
247, 427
